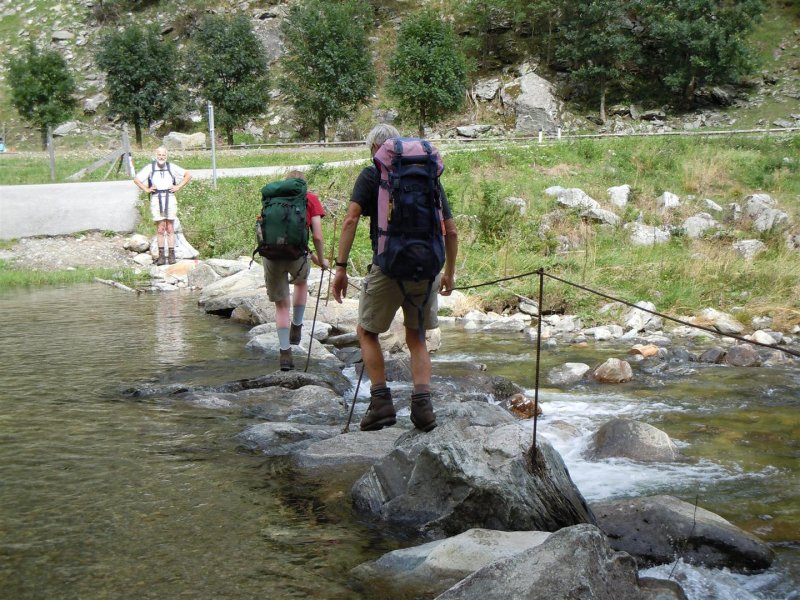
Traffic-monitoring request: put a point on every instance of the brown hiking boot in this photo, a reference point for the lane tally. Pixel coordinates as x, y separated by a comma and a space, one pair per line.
286, 362
380, 413
171, 256
422, 415
295, 332
162, 259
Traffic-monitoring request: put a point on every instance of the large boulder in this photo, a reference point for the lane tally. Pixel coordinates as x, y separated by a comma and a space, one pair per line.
625, 438
534, 102
659, 529
474, 470
184, 141
766, 217
575, 562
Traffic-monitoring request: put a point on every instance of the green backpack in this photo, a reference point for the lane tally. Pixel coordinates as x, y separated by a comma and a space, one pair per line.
282, 228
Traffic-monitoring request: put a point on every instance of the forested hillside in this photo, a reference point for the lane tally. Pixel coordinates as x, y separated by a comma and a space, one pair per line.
319, 69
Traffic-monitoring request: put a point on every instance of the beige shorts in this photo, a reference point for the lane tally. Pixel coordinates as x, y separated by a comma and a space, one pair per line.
278, 274
381, 297
172, 207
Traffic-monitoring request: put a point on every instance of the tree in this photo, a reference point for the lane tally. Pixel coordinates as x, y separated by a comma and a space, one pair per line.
141, 77
327, 67
42, 88
427, 71
229, 64
691, 43
597, 45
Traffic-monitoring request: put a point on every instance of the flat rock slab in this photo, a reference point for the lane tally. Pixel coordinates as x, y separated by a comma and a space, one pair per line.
352, 448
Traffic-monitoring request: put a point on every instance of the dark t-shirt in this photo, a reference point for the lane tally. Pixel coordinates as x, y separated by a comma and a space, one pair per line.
365, 194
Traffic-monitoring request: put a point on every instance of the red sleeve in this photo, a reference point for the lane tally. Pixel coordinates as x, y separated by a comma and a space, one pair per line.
314, 207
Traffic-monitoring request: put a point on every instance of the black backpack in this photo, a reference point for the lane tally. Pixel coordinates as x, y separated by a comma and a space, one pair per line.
282, 226
153, 172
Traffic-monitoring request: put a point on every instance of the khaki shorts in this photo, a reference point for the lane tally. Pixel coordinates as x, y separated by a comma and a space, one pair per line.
172, 207
381, 297
278, 274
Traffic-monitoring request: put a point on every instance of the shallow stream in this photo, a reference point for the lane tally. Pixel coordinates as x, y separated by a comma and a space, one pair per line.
102, 496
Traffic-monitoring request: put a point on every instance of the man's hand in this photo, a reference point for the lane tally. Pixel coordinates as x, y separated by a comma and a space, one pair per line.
446, 284
340, 285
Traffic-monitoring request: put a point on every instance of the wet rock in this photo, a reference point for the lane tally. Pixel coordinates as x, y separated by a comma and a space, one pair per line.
644, 350
282, 439
497, 387
742, 355
714, 355
522, 407
658, 529
431, 568
310, 405
465, 474
575, 562
349, 449
202, 276
625, 438
567, 373
613, 370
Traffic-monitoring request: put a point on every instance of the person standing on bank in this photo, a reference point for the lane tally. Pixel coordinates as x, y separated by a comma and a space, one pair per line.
381, 297
279, 273
162, 180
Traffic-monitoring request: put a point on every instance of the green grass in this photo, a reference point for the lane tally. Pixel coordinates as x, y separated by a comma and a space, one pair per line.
11, 276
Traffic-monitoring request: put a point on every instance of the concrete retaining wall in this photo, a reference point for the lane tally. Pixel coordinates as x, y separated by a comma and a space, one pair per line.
64, 208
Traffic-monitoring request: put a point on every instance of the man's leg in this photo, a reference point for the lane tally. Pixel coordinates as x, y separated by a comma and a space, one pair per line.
282, 324
422, 414
298, 310
162, 227
171, 240
381, 411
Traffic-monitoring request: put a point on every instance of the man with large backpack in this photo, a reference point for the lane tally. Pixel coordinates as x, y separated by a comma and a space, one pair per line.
162, 180
413, 234
288, 211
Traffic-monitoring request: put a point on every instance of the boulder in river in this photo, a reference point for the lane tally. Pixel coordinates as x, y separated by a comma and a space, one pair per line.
473, 470
660, 529
625, 438
575, 562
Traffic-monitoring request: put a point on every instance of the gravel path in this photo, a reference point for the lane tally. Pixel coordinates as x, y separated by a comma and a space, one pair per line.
62, 252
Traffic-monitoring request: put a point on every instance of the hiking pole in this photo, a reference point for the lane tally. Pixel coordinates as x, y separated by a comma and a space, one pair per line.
353, 405
314, 322
330, 260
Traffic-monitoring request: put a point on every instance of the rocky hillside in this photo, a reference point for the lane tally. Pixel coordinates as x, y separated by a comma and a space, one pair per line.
517, 99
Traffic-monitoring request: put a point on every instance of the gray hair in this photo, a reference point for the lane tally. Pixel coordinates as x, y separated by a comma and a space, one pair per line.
380, 133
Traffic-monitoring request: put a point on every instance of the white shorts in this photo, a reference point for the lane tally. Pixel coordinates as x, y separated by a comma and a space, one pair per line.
170, 211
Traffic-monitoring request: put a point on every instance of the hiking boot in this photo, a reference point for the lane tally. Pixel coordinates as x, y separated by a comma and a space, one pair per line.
171, 256
380, 413
295, 332
286, 362
422, 415
162, 259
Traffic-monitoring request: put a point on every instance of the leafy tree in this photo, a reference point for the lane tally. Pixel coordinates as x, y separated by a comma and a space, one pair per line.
141, 76
597, 45
42, 88
229, 64
427, 72
691, 43
327, 67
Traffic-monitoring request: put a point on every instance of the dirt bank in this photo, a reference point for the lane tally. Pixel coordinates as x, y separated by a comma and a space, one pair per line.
94, 249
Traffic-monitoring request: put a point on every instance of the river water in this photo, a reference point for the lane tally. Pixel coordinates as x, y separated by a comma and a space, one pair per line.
102, 496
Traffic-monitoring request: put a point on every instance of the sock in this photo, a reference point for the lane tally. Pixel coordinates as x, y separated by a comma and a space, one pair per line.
298, 312
283, 338
378, 389
422, 388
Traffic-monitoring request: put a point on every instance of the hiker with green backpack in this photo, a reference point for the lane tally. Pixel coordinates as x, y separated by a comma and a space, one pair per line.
413, 236
288, 212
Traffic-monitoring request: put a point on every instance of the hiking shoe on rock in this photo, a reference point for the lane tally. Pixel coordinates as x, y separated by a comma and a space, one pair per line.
286, 362
380, 413
171, 256
295, 331
162, 259
422, 415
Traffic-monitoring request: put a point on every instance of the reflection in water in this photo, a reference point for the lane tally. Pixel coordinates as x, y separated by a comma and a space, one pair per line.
170, 346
